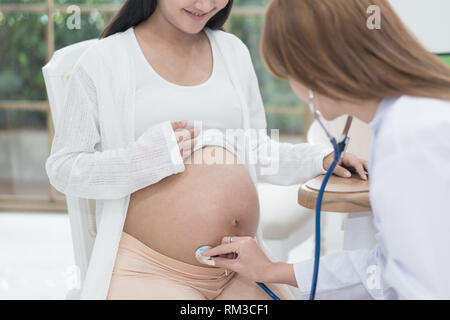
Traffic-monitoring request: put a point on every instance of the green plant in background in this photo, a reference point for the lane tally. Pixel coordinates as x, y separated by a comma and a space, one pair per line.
445, 58
275, 92
23, 56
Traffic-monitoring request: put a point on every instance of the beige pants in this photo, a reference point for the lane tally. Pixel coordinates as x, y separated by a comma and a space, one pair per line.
142, 273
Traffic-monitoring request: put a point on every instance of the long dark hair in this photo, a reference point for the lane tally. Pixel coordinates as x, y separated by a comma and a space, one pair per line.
133, 12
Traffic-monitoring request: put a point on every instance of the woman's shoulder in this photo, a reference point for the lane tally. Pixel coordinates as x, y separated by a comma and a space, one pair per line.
229, 41
117, 40
236, 52
105, 52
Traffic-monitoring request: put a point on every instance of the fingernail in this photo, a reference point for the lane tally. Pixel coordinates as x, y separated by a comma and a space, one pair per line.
211, 262
348, 174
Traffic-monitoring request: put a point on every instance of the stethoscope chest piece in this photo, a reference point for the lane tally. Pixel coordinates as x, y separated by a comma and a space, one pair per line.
198, 254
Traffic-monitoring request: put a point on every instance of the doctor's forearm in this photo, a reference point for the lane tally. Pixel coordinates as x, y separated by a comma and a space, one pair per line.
282, 272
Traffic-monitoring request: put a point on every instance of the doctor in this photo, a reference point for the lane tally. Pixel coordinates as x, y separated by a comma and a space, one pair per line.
387, 79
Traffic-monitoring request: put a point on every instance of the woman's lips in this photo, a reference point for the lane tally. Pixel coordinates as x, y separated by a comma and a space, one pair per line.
194, 17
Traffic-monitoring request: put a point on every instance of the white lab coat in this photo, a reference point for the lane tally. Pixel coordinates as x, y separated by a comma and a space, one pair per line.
409, 193
94, 153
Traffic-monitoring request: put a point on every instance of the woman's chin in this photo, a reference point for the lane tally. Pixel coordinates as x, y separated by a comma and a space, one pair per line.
330, 117
192, 29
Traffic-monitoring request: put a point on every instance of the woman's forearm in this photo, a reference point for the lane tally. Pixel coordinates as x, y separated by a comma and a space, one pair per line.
287, 164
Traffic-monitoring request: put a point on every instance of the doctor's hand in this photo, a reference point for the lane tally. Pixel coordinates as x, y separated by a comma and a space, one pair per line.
250, 261
349, 162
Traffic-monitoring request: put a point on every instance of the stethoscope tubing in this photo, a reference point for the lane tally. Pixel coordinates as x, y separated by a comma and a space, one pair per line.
317, 221
268, 291
339, 151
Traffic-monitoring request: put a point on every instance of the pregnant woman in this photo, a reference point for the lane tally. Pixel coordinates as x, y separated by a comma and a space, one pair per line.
180, 74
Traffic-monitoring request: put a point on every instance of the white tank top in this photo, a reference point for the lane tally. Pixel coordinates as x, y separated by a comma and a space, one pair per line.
214, 103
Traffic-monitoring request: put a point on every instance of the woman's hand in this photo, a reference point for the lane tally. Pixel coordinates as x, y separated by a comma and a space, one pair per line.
185, 138
250, 261
350, 161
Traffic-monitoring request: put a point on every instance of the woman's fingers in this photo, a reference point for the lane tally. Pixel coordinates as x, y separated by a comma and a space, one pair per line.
194, 132
184, 134
360, 169
186, 147
179, 124
357, 165
366, 165
186, 140
342, 172
354, 164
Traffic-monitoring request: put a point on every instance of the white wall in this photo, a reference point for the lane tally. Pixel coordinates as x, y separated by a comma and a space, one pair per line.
429, 21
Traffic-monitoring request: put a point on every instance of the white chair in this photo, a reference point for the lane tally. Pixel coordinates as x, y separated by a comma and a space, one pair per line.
285, 224
81, 211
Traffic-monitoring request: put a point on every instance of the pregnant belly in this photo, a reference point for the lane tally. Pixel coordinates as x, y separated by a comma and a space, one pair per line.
196, 207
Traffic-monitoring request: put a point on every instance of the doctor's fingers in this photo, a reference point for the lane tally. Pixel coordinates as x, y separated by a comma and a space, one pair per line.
229, 264
230, 239
224, 248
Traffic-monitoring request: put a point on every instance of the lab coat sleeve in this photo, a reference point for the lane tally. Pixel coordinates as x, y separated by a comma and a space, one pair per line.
343, 275
75, 167
279, 163
412, 190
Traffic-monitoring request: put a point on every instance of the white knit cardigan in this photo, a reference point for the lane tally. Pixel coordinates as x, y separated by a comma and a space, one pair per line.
94, 154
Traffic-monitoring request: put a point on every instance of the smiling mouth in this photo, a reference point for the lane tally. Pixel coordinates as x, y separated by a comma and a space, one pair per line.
195, 14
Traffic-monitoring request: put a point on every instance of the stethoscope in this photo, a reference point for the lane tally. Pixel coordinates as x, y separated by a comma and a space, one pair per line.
340, 148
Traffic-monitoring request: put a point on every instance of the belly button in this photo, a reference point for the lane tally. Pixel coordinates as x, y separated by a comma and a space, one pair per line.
235, 222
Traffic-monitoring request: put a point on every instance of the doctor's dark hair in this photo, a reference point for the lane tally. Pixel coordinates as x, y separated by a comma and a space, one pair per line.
133, 12
327, 46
